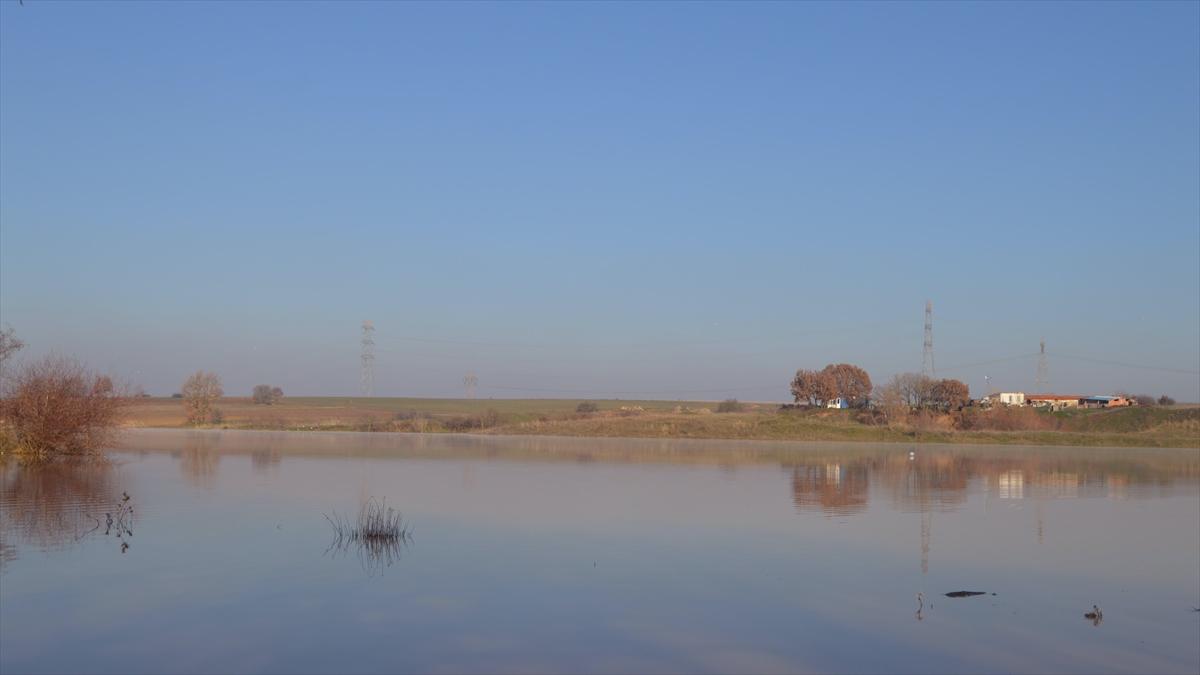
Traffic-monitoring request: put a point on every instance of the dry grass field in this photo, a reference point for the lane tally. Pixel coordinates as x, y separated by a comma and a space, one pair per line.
1145, 427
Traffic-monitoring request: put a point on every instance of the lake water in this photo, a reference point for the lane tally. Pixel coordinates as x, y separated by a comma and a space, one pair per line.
586, 555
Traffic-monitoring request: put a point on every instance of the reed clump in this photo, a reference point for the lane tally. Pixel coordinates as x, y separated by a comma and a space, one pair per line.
378, 535
376, 521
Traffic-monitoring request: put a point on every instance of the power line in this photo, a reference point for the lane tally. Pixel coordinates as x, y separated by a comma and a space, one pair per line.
615, 392
781, 335
1006, 359
1122, 364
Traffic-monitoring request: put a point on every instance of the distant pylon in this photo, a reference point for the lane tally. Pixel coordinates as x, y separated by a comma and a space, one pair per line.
470, 381
367, 375
1043, 371
927, 367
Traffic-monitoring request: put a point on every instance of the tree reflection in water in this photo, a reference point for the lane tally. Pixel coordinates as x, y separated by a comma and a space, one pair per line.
199, 458
51, 505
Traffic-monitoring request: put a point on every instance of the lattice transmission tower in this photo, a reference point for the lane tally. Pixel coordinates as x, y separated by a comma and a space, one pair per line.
470, 381
1043, 371
367, 360
927, 367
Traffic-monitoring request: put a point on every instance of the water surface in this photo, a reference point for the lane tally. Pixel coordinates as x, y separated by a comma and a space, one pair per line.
587, 555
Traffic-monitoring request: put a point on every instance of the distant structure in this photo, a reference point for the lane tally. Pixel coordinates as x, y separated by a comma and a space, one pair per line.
927, 367
367, 374
470, 381
1043, 372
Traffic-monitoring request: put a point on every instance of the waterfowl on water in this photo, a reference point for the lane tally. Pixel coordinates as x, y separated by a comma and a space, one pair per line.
1094, 614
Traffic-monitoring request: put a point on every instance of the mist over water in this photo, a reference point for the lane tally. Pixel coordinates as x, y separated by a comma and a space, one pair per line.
583, 555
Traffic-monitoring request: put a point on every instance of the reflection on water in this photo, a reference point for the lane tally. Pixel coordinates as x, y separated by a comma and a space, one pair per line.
625, 555
52, 505
377, 539
199, 458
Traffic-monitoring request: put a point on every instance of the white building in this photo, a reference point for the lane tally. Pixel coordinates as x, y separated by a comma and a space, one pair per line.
1010, 398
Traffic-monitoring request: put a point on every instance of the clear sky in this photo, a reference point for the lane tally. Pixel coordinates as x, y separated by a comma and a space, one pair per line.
619, 199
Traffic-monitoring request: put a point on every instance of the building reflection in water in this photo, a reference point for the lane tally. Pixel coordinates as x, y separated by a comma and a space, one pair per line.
927, 481
833, 488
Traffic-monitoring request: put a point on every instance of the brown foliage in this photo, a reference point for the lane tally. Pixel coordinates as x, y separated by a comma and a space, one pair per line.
57, 406
813, 387
851, 382
949, 394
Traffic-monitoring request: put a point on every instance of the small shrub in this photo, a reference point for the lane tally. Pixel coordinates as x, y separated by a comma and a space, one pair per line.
1004, 418
216, 416
177, 395
1145, 400
587, 407
460, 423
265, 394
729, 405
871, 416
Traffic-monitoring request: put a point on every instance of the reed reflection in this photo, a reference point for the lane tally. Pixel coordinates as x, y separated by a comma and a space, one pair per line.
377, 536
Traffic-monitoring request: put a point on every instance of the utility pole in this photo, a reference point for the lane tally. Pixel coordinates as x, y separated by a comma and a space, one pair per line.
1043, 371
367, 360
927, 367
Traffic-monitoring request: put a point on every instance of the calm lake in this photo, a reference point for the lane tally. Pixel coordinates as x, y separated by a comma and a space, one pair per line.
599, 555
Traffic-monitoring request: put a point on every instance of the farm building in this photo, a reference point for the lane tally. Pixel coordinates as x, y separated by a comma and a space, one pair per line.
838, 402
1104, 401
1053, 401
1010, 398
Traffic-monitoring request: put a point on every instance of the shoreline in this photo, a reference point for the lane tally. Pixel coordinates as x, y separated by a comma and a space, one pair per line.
1174, 427
1049, 439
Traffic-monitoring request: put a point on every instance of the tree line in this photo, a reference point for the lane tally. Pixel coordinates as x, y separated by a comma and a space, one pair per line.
853, 385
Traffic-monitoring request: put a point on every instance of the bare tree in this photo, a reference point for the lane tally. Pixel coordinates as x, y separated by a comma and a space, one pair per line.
915, 388
1166, 400
58, 406
893, 401
9, 345
265, 394
813, 387
200, 391
852, 383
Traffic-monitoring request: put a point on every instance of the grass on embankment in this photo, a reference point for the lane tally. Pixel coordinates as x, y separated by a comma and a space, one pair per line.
1127, 427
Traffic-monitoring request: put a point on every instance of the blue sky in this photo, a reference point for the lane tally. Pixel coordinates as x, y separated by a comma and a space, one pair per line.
618, 199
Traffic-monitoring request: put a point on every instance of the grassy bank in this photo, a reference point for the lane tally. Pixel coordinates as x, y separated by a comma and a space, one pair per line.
1132, 427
